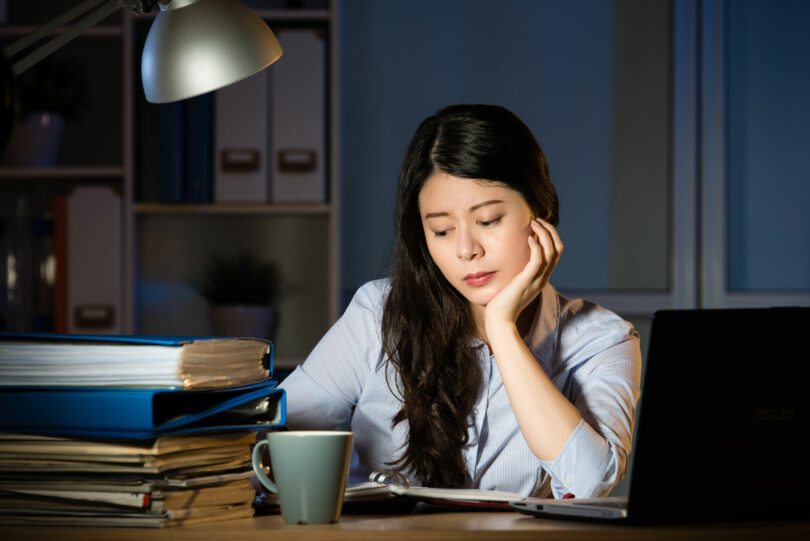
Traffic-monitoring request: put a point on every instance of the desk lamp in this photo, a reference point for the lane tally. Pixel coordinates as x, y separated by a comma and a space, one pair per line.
193, 47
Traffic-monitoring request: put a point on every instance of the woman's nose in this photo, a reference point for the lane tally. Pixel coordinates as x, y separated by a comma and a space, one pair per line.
468, 245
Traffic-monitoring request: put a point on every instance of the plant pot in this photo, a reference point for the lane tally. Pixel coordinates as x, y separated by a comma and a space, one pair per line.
35, 141
251, 320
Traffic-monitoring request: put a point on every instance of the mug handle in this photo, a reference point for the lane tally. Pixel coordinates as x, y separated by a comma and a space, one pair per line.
256, 459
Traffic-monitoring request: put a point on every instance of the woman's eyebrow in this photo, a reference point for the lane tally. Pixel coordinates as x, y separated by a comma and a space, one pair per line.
485, 203
472, 208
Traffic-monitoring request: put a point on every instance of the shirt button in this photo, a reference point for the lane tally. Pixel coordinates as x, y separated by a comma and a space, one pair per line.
568, 482
475, 412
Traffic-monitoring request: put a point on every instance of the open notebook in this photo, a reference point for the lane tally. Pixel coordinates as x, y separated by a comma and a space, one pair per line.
389, 491
723, 422
387, 485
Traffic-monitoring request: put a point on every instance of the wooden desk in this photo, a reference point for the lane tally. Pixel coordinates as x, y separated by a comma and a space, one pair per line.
468, 526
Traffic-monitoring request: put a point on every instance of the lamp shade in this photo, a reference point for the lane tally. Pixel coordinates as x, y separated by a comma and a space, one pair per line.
197, 46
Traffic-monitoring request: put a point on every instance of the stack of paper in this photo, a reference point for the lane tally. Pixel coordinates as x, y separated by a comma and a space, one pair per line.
168, 481
158, 434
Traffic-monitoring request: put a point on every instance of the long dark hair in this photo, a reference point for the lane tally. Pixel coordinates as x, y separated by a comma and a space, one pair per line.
427, 325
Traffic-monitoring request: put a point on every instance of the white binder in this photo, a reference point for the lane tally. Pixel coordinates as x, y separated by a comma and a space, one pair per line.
94, 268
298, 137
241, 141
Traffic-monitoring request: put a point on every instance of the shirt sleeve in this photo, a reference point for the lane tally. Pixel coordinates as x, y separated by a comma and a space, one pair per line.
322, 392
604, 385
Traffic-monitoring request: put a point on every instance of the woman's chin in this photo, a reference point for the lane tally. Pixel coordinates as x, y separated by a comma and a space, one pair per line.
481, 296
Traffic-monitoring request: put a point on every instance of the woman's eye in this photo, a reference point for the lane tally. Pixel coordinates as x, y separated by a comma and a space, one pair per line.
489, 223
440, 233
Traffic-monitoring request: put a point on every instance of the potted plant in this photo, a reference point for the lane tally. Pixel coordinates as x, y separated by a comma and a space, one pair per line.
48, 94
242, 291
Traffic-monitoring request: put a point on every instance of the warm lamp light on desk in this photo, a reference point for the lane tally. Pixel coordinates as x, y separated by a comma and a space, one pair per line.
193, 47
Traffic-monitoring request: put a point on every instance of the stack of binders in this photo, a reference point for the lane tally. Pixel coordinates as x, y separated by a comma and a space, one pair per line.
131, 431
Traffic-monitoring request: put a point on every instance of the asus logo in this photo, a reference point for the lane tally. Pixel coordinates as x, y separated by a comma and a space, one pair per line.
774, 415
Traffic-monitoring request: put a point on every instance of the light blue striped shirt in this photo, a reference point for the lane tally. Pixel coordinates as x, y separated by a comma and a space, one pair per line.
590, 354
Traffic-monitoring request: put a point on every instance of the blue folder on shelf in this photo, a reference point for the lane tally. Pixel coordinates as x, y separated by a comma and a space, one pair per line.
139, 413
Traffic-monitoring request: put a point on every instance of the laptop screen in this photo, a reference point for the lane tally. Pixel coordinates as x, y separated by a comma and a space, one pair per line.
723, 426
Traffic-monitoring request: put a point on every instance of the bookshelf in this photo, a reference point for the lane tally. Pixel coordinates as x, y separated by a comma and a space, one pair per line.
61, 172
163, 242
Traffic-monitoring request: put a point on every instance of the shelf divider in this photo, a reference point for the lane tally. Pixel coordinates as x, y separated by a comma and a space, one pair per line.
233, 208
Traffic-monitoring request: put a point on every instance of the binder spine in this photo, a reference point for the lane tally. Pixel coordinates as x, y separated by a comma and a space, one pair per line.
139, 413
75, 409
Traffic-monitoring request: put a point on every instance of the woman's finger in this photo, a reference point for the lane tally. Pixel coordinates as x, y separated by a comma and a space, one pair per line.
536, 259
535, 270
544, 238
555, 237
552, 246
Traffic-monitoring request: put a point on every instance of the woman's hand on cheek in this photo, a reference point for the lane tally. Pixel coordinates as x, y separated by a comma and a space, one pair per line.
545, 249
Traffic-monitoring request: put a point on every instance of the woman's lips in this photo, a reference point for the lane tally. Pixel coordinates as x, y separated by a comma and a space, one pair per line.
479, 278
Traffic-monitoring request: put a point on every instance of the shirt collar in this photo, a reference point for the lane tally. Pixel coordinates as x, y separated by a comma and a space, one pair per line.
543, 334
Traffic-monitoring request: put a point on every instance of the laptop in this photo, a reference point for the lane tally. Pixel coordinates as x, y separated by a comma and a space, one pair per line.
723, 425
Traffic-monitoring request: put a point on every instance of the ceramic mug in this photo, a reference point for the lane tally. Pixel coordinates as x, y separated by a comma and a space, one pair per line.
310, 470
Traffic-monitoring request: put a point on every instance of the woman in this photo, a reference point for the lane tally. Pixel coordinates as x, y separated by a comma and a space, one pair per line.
466, 368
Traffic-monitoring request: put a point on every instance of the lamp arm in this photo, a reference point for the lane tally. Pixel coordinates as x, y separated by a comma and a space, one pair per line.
92, 11
61, 20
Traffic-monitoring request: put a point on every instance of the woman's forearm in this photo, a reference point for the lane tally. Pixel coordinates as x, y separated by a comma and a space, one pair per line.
545, 417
